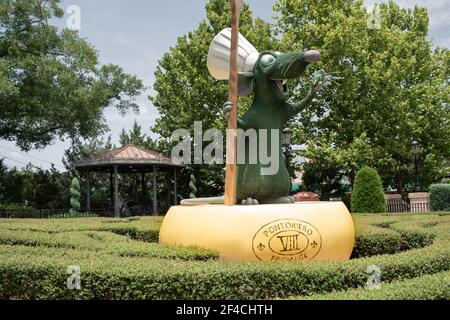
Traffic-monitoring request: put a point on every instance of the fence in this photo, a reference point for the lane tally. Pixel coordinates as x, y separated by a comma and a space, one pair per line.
415, 202
66, 213
46, 214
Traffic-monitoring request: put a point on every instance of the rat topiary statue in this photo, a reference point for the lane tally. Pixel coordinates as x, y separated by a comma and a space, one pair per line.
265, 75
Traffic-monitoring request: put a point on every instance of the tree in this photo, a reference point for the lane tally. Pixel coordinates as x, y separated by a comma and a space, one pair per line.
52, 83
137, 138
80, 150
394, 89
34, 187
185, 92
75, 195
368, 194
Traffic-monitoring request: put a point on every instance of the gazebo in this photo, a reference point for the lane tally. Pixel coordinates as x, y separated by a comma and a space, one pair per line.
129, 159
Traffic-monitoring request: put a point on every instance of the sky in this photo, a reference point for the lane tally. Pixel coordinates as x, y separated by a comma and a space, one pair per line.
134, 34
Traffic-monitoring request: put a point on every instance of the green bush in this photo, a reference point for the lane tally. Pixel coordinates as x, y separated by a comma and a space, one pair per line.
428, 287
440, 197
102, 241
368, 194
75, 195
142, 229
386, 240
33, 265
40, 273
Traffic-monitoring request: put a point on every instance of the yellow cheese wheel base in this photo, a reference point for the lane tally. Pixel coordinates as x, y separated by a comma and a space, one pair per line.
316, 231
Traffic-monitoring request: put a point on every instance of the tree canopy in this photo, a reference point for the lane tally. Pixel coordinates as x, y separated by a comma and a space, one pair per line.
394, 88
52, 85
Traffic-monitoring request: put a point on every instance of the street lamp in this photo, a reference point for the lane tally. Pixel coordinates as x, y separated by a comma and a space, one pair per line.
287, 150
415, 151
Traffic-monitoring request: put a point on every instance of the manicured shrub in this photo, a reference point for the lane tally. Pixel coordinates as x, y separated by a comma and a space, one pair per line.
103, 241
428, 287
40, 273
440, 197
75, 195
368, 194
388, 241
34, 263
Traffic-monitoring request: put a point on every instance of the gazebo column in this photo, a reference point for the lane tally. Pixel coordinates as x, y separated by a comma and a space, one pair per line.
88, 191
111, 188
175, 186
116, 192
144, 191
155, 194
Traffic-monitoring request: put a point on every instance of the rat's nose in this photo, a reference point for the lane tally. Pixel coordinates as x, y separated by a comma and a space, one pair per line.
312, 56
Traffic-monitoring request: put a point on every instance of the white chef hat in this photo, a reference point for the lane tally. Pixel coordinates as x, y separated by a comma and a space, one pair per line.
219, 55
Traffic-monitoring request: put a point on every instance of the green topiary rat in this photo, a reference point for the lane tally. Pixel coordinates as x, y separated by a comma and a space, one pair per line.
270, 110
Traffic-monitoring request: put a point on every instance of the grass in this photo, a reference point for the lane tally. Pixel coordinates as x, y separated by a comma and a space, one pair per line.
120, 259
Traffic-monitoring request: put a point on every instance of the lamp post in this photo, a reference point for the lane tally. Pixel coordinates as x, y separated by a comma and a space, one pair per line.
415, 151
287, 149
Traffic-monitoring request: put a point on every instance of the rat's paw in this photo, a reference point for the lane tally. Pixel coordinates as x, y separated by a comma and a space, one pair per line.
312, 56
250, 202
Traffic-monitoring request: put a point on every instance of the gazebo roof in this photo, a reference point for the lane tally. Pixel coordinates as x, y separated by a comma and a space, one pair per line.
129, 155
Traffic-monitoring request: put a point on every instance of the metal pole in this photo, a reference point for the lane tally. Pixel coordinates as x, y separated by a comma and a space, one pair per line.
155, 195
111, 189
116, 192
143, 185
88, 191
175, 186
416, 165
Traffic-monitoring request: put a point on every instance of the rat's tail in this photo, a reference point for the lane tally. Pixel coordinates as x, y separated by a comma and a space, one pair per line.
202, 201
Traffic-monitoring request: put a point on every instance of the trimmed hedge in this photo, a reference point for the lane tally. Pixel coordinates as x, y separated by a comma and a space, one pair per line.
428, 287
33, 273
440, 197
105, 242
141, 229
390, 242
368, 194
107, 272
390, 237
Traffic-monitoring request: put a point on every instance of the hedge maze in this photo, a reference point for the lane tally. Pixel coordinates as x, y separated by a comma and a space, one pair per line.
121, 259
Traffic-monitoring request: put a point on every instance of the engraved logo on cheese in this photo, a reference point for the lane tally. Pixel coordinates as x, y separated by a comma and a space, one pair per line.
287, 240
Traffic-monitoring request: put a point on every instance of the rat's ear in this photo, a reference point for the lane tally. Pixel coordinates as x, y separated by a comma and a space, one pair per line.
246, 82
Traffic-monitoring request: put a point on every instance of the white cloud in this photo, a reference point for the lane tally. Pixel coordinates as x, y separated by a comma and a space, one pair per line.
16, 155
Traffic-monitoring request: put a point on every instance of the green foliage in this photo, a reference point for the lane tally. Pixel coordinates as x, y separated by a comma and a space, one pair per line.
75, 195
184, 66
137, 138
440, 197
427, 287
102, 241
114, 267
110, 277
192, 187
54, 78
33, 187
368, 194
380, 239
80, 150
394, 87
